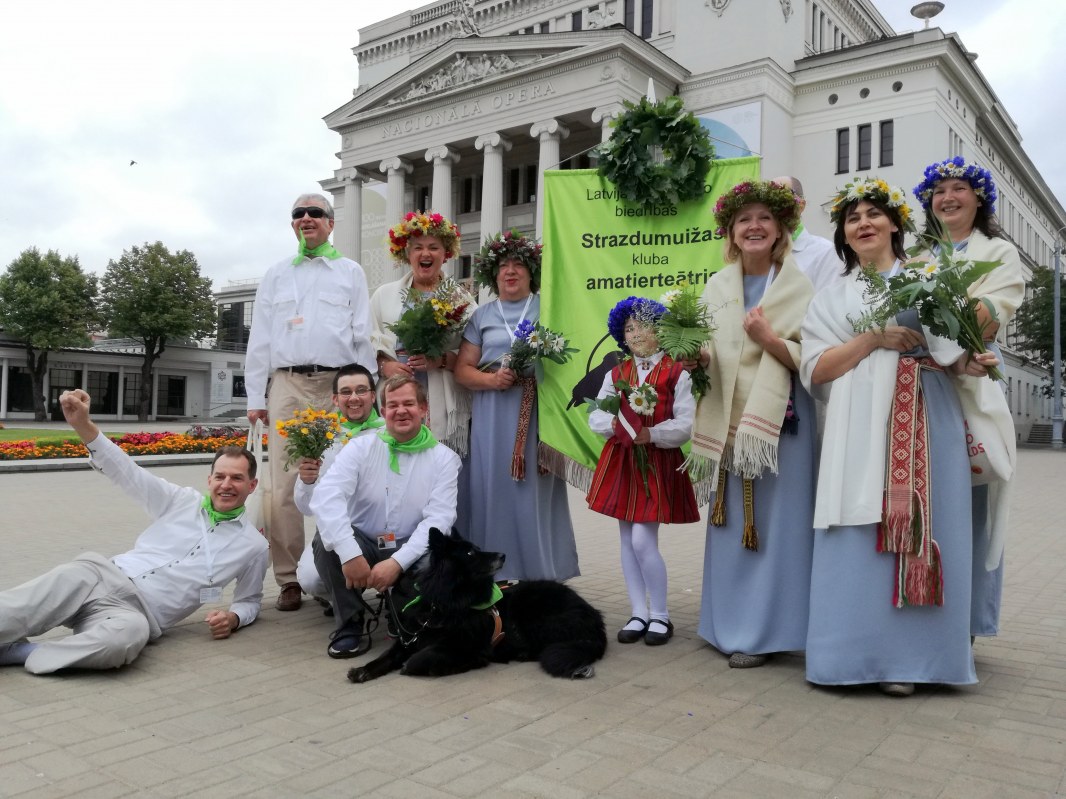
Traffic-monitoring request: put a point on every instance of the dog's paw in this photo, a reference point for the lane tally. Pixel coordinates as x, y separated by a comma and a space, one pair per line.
584, 673
358, 674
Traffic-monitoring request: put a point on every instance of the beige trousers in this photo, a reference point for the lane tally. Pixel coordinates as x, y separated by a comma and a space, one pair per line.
94, 598
287, 394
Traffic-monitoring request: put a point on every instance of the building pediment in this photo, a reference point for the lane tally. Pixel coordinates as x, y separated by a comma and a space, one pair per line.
469, 64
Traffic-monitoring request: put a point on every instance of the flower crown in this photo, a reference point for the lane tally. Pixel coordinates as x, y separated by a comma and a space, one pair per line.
779, 199
503, 247
642, 309
874, 190
418, 223
978, 177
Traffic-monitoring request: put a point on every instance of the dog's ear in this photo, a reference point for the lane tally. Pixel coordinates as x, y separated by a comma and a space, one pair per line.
436, 538
456, 536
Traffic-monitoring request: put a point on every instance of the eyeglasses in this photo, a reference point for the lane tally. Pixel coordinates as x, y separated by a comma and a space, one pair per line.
312, 211
362, 391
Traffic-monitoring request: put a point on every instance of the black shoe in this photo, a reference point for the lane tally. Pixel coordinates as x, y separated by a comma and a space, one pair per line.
632, 636
349, 641
652, 638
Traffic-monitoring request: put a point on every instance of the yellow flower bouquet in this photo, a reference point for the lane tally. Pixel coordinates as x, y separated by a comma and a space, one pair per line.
307, 434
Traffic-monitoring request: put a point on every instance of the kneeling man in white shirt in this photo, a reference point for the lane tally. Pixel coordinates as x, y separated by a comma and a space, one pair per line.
377, 503
195, 546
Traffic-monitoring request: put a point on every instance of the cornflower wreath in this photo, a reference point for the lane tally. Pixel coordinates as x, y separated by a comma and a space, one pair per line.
978, 177
658, 154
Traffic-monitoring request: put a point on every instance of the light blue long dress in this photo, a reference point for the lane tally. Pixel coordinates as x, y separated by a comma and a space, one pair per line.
756, 602
987, 585
527, 520
856, 633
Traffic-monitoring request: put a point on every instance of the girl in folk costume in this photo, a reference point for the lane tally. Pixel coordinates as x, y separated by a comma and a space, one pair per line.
959, 201
638, 479
890, 584
755, 435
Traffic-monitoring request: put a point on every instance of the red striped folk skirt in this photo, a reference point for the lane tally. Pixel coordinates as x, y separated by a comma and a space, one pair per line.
618, 487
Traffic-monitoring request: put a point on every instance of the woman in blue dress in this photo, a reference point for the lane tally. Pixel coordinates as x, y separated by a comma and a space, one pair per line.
756, 426
890, 583
514, 508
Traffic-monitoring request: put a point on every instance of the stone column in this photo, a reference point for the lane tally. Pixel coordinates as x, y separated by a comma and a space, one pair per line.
396, 169
605, 114
442, 159
494, 145
3, 387
348, 237
550, 132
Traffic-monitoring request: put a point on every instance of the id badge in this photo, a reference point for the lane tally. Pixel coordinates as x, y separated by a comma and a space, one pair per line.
387, 541
210, 594
296, 323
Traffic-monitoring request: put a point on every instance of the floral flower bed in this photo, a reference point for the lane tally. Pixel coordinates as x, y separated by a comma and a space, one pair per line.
132, 443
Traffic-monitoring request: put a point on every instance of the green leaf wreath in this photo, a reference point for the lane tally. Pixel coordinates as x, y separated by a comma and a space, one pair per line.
646, 130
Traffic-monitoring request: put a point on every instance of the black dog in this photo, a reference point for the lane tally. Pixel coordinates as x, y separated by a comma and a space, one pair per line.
455, 625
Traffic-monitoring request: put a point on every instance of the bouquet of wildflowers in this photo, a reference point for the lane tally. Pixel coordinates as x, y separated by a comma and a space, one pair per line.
640, 401
433, 325
533, 343
684, 329
938, 291
307, 434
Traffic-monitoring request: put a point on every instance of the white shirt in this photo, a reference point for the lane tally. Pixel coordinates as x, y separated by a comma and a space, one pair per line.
315, 313
361, 490
667, 434
180, 552
302, 492
817, 259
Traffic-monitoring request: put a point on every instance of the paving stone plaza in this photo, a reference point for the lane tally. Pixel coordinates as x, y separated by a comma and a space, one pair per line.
267, 713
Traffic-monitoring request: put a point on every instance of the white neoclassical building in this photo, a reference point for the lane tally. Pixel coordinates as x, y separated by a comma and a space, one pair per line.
462, 105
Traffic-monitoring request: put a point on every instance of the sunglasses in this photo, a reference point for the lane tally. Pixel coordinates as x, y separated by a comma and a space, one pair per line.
312, 211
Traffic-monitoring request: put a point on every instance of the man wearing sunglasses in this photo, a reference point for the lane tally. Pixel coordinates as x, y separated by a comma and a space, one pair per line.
311, 316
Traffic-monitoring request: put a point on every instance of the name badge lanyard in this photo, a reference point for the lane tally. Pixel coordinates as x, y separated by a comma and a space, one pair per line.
506, 325
209, 556
296, 294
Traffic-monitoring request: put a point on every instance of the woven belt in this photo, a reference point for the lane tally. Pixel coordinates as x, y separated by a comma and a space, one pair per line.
309, 369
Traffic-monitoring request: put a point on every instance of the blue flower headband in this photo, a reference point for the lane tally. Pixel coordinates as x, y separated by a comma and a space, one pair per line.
978, 177
642, 309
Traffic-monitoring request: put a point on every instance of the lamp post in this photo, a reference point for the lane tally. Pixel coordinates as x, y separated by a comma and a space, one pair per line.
1056, 366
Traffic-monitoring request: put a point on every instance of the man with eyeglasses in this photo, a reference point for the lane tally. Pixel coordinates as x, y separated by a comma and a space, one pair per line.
319, 570
311, 316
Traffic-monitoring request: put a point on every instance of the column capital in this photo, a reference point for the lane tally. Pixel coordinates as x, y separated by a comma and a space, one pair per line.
352, 174
605, 113
549, 127
393, 165
444, 153
491, 142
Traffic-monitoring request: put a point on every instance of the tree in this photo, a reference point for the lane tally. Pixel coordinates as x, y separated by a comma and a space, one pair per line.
155, 297
46, 302
1035, 319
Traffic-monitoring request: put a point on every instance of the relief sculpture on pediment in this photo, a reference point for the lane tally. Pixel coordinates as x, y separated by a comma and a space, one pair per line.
717, 5
462, 70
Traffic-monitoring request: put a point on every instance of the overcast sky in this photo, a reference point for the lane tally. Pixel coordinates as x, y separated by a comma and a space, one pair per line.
220, 104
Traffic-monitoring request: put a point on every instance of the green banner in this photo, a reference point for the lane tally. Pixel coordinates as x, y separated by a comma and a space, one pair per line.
599, 249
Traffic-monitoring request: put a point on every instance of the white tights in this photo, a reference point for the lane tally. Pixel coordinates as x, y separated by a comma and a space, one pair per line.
644, 569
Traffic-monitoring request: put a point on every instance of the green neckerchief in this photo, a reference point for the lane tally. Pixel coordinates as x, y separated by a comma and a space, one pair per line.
325, 249
497, 595
355, 428
421, 442
218, 516
797, 231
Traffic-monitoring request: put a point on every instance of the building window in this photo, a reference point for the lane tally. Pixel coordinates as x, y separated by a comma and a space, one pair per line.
843, 150
531, 183
887, 134
645, 18
131, 395
171, 400
575, 21
514, 186
234, 324
630, 15
544, 27
865, 134
103, 388
19, 389
239, 389
471, 195
422, 198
